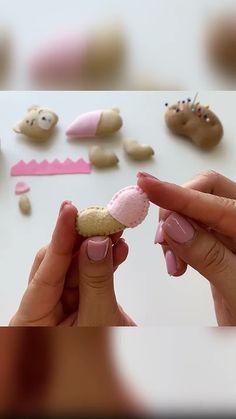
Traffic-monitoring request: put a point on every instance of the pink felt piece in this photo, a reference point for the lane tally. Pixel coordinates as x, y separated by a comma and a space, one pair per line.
34, 168
129, 206
85, 126
61, 58
21, 187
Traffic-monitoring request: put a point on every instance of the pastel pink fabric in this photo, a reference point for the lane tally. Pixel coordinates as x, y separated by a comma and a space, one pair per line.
61, 57
85, 126
129, 206
21, 187
34, 168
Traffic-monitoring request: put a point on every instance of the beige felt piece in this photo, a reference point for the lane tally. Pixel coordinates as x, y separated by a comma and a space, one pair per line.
102, 158
196, 122
221, 43
105, 52
96, 221
137, 151
38, 124
24, 204
110, 122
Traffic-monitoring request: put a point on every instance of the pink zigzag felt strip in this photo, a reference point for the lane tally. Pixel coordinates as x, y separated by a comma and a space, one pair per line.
34, 168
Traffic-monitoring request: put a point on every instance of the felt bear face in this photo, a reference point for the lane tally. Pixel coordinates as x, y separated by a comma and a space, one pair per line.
38, 124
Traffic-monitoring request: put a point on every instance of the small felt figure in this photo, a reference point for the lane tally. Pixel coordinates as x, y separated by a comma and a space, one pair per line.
127, 208
24, 205
38, 124
102, 158
137, 151
95, 124
194, 121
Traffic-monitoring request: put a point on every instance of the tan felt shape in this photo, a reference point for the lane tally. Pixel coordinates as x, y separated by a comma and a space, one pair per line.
96, 221
196, 122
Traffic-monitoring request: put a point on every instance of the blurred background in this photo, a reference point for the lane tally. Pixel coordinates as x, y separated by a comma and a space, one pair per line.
164, 372
118, 45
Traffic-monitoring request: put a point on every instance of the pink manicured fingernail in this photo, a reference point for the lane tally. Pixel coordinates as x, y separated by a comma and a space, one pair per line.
171, 263
159, 237
144, 174
64, 203
178, 228
97, 248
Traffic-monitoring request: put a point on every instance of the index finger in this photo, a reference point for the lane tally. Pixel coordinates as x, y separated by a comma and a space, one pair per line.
217, 212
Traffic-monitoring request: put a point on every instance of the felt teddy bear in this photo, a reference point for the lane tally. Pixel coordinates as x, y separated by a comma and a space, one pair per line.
38, 124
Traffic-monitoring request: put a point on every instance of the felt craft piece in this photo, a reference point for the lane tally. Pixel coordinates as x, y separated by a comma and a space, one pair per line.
102, 158
38, 124
44, 168
194, 121
24, 205
127, 208
21, 187
137, 151
72, 59
95, 124
221, 43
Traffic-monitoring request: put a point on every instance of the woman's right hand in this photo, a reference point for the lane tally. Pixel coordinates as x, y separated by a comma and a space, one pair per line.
198, 228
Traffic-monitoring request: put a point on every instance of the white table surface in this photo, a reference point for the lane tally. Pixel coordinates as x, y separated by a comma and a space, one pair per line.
180, 371
165, 38
143, 287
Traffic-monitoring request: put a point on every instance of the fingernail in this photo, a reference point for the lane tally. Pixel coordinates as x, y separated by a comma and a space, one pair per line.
147, 175
178, 228
97, 248
159, 237
171, 263
64, 203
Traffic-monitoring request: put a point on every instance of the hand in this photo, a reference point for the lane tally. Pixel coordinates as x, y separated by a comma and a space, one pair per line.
198, 228
71, 280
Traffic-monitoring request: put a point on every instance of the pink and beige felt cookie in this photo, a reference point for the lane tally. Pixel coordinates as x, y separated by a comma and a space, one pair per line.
95, 124
79, 60
194, 121
38, 124
127, 209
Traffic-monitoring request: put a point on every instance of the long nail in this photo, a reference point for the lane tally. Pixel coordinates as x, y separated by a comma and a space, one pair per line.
159, 237
146, 175
171, 263
97, 248
178, 228
64, 203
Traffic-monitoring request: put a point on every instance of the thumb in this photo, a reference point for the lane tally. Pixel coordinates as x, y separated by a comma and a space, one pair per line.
203, 252
98, 305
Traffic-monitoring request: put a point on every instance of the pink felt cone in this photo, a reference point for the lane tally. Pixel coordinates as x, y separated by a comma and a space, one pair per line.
85, 126
129, 206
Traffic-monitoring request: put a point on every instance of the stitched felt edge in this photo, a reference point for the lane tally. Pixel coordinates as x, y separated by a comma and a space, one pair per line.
146, 203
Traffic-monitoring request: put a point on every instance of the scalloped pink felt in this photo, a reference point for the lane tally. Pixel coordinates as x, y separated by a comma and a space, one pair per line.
85, 126
34, 168
129, 206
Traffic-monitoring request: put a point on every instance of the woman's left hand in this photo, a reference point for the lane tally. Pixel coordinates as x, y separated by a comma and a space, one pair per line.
71, 280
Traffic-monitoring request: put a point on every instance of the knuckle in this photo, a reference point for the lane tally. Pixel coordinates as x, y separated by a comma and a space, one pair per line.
40, 254
215, 257
208, 174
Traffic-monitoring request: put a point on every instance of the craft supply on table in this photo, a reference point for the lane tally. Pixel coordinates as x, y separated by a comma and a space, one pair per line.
95, 124
45, 168
127, 208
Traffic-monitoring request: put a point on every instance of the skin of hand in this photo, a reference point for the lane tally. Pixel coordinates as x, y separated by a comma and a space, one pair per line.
71, 280
197, 228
